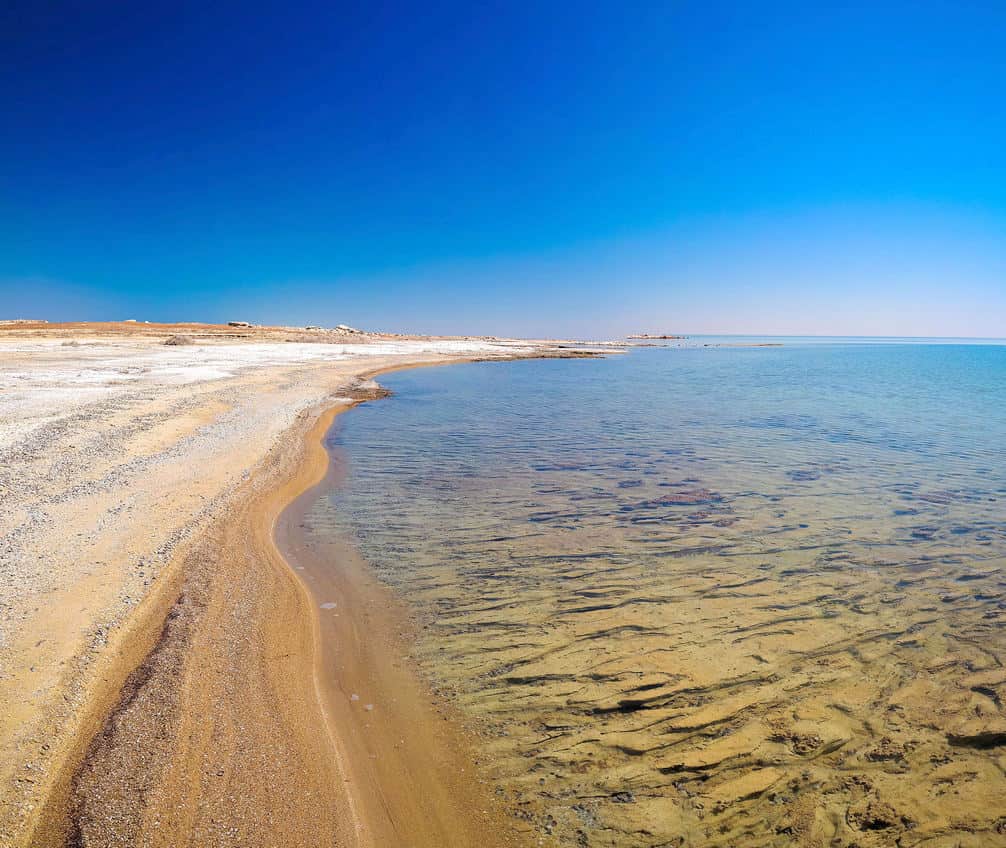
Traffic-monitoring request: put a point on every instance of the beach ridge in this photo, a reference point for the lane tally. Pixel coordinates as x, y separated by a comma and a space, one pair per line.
155, 500
189, 622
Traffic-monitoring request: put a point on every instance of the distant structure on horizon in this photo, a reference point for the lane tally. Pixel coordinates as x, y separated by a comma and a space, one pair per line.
652, 336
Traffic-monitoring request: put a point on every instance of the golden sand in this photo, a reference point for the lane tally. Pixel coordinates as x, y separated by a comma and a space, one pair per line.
160, 684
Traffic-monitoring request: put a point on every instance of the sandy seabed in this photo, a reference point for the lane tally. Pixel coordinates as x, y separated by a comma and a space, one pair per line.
677, 627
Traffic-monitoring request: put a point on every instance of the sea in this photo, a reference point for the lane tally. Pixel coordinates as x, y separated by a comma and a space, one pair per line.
727, 591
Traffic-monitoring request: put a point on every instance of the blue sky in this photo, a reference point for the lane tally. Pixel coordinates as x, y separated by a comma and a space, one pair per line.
526, 168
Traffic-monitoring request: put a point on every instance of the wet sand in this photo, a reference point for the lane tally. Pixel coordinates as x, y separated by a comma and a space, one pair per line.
158, 683
410, 771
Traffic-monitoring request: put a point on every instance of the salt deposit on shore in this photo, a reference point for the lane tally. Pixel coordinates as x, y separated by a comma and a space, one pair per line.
115, 451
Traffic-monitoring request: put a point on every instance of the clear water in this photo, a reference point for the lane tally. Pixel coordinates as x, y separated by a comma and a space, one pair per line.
707, 595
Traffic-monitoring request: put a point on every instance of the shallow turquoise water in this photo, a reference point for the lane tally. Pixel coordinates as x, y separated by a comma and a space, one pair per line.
806, 540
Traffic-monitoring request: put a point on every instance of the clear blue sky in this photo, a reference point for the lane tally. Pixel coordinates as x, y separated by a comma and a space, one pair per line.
525, 168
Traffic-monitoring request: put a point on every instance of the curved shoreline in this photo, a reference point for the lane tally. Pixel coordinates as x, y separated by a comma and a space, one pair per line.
410, 766
206, 723
144, 777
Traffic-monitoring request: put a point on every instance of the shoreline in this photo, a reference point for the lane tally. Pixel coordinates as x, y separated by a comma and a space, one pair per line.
153, 720
189, 627
409, 763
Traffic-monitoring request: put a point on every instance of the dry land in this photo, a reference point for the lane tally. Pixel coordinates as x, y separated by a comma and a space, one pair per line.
161, 681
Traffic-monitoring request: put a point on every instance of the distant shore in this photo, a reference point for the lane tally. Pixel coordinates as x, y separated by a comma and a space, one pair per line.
652, 336
147, 594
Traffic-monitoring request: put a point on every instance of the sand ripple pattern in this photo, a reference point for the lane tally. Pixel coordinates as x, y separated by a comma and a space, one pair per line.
685, 602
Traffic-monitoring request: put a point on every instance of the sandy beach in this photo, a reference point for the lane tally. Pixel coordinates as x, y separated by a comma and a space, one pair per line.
161, 677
